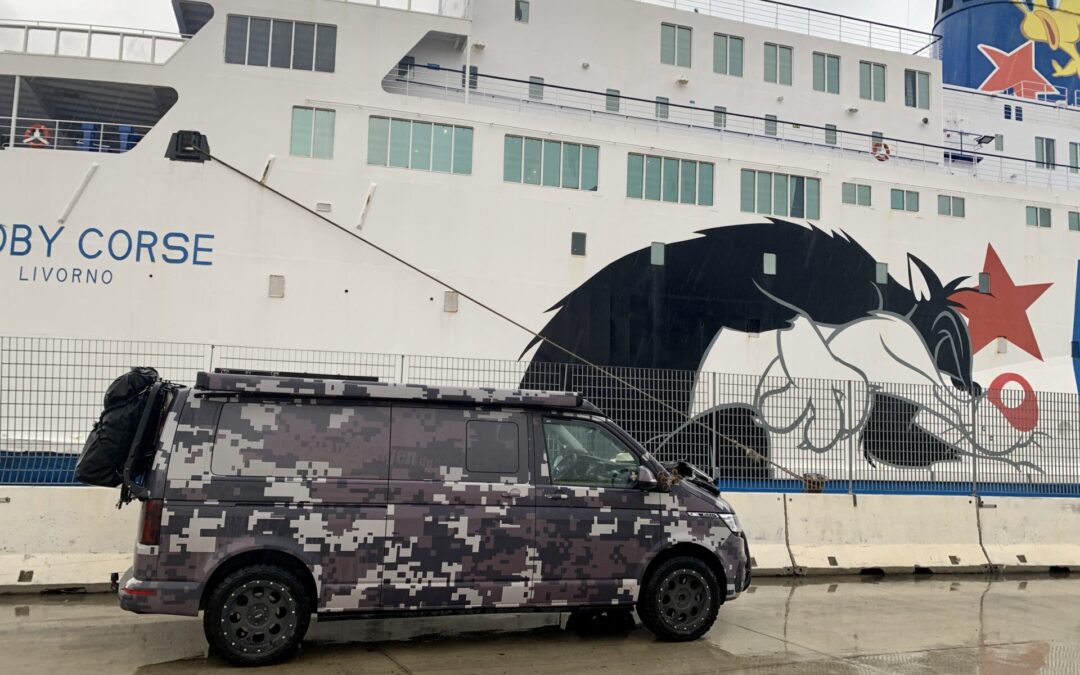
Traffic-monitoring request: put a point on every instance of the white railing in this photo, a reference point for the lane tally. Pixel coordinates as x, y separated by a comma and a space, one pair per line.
89, 41
88, 136
817, 23
729, 126
461, 9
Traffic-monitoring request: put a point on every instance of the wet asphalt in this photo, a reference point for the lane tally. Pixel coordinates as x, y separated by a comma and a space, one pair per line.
969, 624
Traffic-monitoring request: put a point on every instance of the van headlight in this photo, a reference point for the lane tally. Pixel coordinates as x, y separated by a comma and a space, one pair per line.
732, 521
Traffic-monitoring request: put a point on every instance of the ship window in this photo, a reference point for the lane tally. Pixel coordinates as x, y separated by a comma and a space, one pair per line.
727, 55
1008, 111
312, 133
281, 44
856, 194
871, 81
536, 88
768, 264
904, 200
1074, 157
830, 134
656, 253
951, 206
406, 66
917, 89
1038, 216
999, 143
770, 125
612, 100
1019, 114
662, 108
236, 39
669, 179
325, 48
258, 53
1045, 152
826, 73
881, 273
303, 46
419, 145
521, 11
719, 118
675, 45
577, 243
1074, 221
275, 43
777, 63
771, 193
533, 161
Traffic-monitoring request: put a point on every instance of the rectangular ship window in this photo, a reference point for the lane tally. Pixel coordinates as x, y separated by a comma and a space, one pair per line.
424, 146
669, 179
779, 194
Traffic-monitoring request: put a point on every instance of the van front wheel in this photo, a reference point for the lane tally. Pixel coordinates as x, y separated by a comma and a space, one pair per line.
257, 616
680, 599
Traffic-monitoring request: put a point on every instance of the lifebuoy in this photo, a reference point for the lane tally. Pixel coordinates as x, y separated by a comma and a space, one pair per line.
37, 136
881, 151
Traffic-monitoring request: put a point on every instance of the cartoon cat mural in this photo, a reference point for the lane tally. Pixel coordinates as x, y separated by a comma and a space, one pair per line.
844, 335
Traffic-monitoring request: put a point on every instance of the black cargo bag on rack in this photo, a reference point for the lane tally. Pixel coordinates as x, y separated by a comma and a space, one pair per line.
109, 443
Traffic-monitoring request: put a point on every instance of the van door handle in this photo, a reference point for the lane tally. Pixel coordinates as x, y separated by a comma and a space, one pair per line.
559, 494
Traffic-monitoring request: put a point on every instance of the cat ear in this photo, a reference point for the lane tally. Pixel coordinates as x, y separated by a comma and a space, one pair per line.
922, 281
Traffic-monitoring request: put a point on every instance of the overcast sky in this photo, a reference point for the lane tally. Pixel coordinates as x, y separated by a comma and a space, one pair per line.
157, 14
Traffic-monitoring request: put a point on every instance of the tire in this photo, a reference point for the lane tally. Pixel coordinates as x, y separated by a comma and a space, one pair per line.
257, 616
680, 599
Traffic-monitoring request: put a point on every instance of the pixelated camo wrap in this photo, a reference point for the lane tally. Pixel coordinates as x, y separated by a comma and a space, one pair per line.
402, 507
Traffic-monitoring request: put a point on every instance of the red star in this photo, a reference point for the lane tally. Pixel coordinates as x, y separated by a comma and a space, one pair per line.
1003, 311
1015, 70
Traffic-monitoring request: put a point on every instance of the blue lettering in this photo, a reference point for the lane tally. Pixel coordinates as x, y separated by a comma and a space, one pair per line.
196, 250
148, 246
82, 249
181, 250
49, 240
20, 234
112, 245
3, 234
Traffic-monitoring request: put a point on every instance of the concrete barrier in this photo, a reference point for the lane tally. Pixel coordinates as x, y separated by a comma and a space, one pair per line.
57, 537
829, 534
765, 523
1034, 533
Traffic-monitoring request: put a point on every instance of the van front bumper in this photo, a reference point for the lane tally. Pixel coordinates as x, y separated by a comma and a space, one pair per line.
160, 597
736, 559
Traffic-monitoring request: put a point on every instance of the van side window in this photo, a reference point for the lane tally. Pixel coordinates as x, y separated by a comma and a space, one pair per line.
584, 453
452, 445
302, 441
491, 447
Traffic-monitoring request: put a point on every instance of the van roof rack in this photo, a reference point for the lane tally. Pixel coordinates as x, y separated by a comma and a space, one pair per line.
286, 373
278, 384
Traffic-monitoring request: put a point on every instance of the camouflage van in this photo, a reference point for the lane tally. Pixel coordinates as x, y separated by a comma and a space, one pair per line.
270, 498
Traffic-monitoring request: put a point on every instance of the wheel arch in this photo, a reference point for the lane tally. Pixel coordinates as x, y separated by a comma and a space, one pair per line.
262, 556
687, 549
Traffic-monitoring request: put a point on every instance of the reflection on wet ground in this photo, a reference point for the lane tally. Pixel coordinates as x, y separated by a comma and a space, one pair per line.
903, 625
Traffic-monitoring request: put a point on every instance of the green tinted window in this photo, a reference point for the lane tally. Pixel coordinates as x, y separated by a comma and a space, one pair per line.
300, 141
571, 168
552, 162
688, 183
705, 184
512, 159
635, 175
441, 148
653, 169
421, 146
378, 140
590, 167
400, 137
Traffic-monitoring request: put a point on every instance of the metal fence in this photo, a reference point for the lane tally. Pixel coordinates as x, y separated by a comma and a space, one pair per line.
54, 38
751, 432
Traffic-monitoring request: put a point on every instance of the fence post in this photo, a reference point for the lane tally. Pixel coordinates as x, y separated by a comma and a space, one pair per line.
210, 364
853, 440
974, 447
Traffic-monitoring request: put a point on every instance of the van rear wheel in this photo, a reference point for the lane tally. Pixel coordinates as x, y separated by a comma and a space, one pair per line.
257, 616
680, 599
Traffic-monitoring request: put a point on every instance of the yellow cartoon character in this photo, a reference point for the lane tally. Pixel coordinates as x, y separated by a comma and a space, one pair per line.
1057, 23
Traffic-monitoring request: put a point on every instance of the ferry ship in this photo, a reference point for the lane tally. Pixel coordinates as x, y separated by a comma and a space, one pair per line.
872, 229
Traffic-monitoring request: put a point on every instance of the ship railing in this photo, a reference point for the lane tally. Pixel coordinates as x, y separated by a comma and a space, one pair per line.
814, 22
433, 81
461, 9
52, 134
89, 41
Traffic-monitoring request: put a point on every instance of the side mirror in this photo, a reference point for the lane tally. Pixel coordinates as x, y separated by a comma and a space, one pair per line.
646, 479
